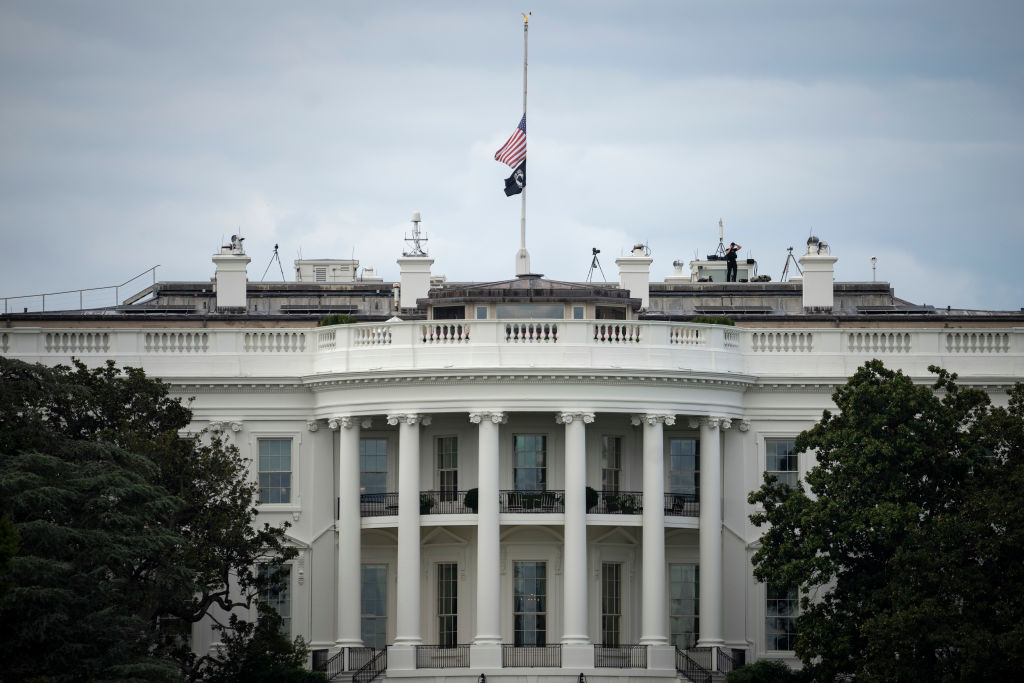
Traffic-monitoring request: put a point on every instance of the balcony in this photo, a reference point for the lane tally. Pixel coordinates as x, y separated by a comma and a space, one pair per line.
682, 505
378, 504
444, 503
548, 501
618, 503
531, 655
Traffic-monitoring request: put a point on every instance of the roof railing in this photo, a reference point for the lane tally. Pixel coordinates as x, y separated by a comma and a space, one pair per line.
8, 300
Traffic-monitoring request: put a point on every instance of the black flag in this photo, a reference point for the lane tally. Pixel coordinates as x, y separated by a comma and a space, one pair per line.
515, 183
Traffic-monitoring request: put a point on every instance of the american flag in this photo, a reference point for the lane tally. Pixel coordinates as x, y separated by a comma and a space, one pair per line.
514, 150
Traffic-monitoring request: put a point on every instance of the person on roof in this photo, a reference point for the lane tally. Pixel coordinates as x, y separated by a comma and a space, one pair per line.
730, 261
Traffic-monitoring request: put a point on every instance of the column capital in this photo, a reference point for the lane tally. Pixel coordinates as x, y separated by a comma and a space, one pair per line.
234, 426
566, 417
744, 425
652, 419
411, 419
348, 422
710, 421
726, 423
495, 416
313, 425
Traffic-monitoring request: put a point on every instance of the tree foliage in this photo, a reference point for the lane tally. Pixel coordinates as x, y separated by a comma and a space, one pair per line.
124, 526
908, 552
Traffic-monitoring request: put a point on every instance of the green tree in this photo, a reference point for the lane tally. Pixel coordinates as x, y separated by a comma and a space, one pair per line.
908, 552
124, 525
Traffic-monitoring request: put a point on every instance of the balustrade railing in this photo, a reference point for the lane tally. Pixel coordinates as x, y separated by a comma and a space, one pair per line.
620, 656
532, 501
531, 332
377, 665
443, 503
531, 655
274, 342
730, 658
619, 503
442, 656
977, 342
682, 505
686, 665
444, 333
616, 333
378, 504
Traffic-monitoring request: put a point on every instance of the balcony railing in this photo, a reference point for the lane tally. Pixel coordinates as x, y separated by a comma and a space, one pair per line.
378, 504
373, 668
730, 658
533, 501
682, 505
443, 503
531, 655
619, 503
686, 665
442, 657
620, 656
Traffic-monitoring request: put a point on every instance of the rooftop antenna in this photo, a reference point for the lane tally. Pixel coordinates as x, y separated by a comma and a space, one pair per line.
596, 263
721, 244
274, 257
785, 269
417, 238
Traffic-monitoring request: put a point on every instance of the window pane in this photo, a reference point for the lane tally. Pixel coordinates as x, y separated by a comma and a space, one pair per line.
780, 617
684, 608
275, 467
781, 460
528, 600
374, 604
277, 595
683, 466
529, 462
373, 465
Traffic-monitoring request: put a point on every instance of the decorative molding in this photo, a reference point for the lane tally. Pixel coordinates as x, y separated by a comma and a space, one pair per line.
223, 426
348, 422
566, 417
744, 425
726, 423
313, 425
652, 419
355, 379
495, 416
411, 419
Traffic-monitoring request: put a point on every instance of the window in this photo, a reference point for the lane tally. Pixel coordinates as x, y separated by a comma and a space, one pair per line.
530, 311
577, 313
684, 466
447, 605
529, 607
275, 467
684, 604
780, 618
373, 465
374, 621
530, 468
781, 460
481, 313
447, 466
611, 603
277, 594
611, 462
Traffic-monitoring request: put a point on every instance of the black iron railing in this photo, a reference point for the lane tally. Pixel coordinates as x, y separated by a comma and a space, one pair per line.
682, 505
441, 656
702, 655
378, 504
443, 503
359, 656
330, 666
730, 658
619, 503
533, 501
531, 655
691, 669
377, 665
620, 656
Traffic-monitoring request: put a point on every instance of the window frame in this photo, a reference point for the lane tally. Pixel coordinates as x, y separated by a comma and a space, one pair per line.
787, 476
669, 488
540, 630
295, 462
683, 614
617, 469
611, 604
381, 618
541, 480
439, 470
772, 637
387, 457
284, 588
447, 619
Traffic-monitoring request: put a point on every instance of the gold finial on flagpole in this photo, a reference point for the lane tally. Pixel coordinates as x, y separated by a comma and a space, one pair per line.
526, 17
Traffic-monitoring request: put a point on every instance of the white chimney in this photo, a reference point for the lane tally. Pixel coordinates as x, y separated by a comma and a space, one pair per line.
230, 276
414, 267
635, 274
818, 266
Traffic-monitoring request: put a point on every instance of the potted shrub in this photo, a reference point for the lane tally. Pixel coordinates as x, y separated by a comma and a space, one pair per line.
592, 498
427, 503
472, 499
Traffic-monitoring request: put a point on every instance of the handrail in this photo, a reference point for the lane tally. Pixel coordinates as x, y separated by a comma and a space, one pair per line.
378, 504
691, 669
373, 668
548, 500
333, 666
81, 303
619, 503
730, 658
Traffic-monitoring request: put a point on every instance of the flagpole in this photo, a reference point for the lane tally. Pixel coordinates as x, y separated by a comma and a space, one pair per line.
523, 256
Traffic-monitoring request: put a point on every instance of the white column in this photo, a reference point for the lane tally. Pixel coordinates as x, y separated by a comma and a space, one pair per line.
407, 626
349, 528
654, 619
711, 531
577, 649
486, 649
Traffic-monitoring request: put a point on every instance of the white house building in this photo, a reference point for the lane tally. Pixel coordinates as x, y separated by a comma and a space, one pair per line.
522, 478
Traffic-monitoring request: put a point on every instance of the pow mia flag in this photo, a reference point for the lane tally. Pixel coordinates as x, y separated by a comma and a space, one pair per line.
515, 183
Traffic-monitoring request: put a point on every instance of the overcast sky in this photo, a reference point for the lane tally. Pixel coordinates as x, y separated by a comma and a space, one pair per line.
142, 133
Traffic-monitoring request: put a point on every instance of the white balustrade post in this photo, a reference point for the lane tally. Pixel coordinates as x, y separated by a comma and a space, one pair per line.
485, 652
349, 527
577, 648
654, 619
407, 626
711, 532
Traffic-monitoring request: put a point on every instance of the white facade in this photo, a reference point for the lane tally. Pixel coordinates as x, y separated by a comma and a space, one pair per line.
437, 405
